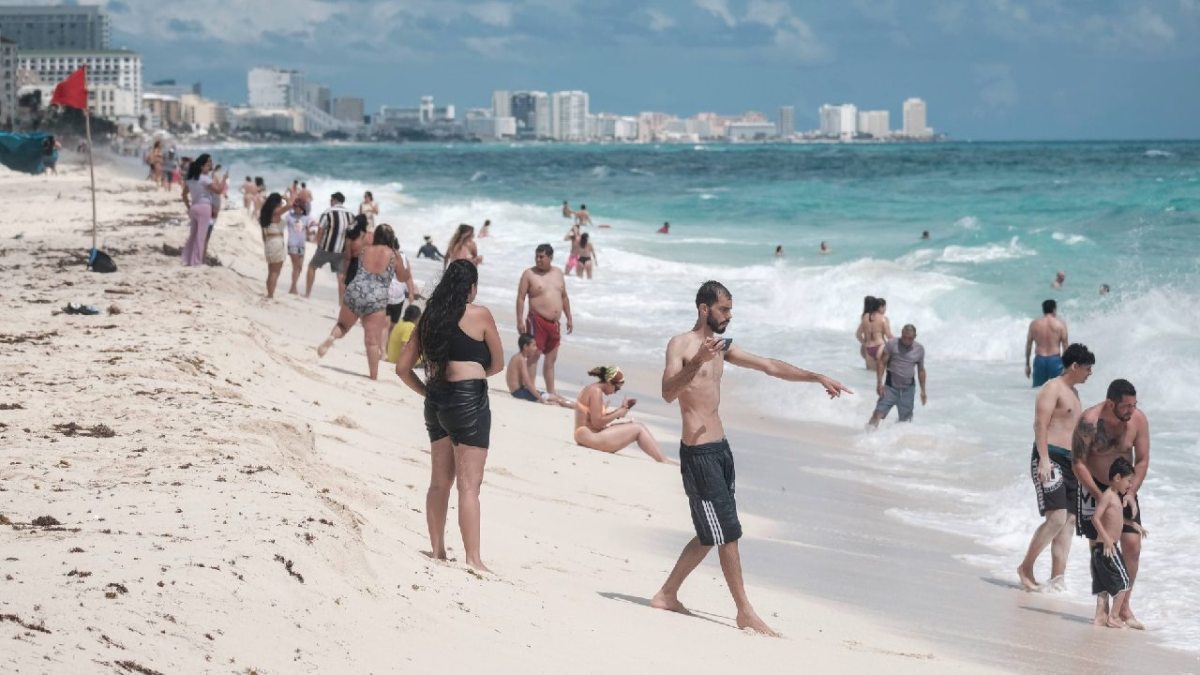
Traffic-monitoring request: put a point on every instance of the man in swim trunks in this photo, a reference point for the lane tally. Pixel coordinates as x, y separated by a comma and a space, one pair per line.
900, 359
695, 362
546, 288
1106, 431
1049, 333
1054, 419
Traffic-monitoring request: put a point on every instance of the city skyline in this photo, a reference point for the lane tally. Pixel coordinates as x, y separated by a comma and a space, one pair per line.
1003, 69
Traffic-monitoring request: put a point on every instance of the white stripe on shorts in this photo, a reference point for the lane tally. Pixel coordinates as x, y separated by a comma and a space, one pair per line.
714, 524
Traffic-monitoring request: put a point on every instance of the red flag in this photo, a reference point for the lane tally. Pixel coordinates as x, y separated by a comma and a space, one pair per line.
72, 92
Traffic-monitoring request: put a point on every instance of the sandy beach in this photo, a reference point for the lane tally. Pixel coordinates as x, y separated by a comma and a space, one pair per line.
187, 488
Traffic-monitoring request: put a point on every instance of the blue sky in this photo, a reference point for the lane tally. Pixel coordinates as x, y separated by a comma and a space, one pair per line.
989, 69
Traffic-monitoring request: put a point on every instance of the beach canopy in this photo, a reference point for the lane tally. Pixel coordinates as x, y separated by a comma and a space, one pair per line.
23, 152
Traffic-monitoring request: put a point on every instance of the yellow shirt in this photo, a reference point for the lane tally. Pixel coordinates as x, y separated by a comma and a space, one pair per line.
401, 334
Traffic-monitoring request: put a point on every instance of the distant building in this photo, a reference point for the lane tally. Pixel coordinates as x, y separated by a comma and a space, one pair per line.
613, 127
569, 111
787, 122
8, 82
114, 78
348, 109
750, 131
170, 88
874, 123
201, 114
271, 87
502, 103
425, 115
915, 124
839, 121
480, 122
531, 110
160, 111
318, 96
53, 28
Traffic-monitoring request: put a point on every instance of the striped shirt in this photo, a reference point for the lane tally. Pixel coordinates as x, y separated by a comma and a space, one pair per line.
335, 223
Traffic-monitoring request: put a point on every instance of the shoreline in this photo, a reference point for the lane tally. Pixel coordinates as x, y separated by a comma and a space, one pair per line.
220, 408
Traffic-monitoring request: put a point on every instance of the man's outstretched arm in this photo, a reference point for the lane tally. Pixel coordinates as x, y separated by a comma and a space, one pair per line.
783, 370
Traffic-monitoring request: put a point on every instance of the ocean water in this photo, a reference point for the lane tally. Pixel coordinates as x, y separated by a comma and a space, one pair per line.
1002, 218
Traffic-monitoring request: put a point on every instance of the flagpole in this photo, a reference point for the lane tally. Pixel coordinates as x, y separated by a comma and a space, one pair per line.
87, 125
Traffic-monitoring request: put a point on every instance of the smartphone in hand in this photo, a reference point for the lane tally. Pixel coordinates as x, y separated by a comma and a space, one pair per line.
728, 343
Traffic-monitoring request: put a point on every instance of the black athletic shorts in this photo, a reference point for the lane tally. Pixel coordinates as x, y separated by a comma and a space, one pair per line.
394, 311
1087, 508
1061, 491
1108, 574
459, 410
708, 480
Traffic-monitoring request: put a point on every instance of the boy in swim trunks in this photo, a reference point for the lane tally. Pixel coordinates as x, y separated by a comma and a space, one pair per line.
1109, 575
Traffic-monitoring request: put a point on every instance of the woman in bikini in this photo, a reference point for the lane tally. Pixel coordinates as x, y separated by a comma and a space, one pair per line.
595, 425
462, 247
274, 244
367, 294
461, 348
586, 258
874, 330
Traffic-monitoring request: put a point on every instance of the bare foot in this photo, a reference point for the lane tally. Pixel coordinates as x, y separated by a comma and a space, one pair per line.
750, 621
1100, 620
1027, 580
670, 603
478, 566
1115, 623
1131, 622
324, 347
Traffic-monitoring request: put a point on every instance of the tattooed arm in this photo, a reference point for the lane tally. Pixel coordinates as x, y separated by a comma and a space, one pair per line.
1082, 442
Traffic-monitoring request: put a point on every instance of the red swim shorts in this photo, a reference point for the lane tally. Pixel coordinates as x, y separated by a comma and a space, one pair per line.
545, 332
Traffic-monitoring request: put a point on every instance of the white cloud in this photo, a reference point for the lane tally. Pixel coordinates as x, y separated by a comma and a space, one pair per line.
719, 9
498, 14
795, 39
659, 21
767, 12
1151, 26
500, 47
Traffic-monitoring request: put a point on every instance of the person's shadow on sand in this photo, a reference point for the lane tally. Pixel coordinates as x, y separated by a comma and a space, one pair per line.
645, 602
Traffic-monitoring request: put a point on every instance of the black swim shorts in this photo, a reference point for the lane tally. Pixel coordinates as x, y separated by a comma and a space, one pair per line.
708, 481
1108, 573
1087, 508
459, 410
1061, 491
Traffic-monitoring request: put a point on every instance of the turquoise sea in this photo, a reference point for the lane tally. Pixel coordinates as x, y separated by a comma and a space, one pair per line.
1003, 217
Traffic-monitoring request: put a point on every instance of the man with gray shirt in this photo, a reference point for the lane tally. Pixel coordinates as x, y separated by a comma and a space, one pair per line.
898, 359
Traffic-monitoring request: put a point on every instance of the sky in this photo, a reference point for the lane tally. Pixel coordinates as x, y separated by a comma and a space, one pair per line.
988, 69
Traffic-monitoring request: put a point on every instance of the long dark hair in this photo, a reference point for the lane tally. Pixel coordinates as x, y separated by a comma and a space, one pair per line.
197, 166
443, 311
268, 209
384, 236
583, 240
360, 227
869, 304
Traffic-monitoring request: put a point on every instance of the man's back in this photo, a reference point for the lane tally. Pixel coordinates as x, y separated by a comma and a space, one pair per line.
334, 224
1049, 335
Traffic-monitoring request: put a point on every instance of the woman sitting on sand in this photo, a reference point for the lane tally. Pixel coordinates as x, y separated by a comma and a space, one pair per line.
462, 247
461, 348
874, 330
595, 425
274, 245
366, 296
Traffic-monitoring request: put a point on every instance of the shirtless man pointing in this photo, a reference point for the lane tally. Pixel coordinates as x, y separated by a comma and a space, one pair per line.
1112, 429
546, 289
1049, 333
695, 363
1054, 483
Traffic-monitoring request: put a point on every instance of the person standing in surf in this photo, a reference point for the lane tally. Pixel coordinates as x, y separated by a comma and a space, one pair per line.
1049, 333
695, 362
1055, 416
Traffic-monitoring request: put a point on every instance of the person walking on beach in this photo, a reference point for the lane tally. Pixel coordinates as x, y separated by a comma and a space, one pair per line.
155, 161
260, 194
1110, 576
1055, 416
586, 259
198, 194
331, 240
1049, 333
248, 191
894, 376
366, 296
695, 363
461, 347
572, 255
596, 426
462, 246
1106, 431
274, 238
874, 330
296, 224
546, 289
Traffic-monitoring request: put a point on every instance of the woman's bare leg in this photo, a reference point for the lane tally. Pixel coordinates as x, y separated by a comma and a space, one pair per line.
620, 436
468, 467
273, 270
437, 499
373, 325
346, 321
297, 265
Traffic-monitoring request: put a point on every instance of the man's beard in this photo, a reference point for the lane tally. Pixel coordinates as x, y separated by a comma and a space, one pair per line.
717, 328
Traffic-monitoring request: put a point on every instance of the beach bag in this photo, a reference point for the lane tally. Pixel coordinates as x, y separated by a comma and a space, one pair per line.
99, 261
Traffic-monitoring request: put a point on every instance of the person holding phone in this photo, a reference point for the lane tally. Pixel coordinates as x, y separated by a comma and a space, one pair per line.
596, 426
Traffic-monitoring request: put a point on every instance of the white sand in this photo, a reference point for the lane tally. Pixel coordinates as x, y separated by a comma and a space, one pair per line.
258, 509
